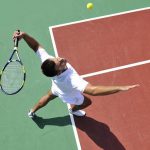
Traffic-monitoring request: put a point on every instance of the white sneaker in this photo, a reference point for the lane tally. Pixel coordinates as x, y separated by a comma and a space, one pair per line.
31, 114
79, 113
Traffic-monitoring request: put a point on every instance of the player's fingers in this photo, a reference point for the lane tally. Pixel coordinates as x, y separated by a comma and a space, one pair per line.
14, 37
17, 34
137, 85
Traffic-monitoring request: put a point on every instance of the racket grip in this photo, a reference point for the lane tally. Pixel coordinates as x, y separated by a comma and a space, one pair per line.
16, 40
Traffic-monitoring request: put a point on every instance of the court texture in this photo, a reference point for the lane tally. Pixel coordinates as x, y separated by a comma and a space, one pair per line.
108, 45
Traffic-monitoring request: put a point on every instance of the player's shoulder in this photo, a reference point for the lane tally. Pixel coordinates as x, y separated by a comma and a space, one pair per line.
69, 66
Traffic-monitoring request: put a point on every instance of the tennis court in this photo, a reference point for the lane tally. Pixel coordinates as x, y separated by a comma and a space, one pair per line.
116, 53
114, 39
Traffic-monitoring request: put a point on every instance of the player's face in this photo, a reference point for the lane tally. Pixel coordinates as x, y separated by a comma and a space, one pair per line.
60, 64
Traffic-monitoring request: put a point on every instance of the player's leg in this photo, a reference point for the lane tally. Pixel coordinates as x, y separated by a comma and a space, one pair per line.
77, 109
87, 101
106, 90
41, 103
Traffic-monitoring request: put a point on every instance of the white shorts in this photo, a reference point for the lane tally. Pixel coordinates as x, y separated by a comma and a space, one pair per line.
77, 98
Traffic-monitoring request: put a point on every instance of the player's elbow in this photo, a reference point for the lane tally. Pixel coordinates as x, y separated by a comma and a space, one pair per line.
90, 90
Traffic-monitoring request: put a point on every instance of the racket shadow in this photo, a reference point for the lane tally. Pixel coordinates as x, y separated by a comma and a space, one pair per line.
57, 121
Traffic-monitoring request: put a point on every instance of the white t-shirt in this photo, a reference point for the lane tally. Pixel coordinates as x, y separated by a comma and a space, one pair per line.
68, 85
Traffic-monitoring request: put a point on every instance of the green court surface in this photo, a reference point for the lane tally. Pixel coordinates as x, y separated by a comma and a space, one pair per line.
54, 130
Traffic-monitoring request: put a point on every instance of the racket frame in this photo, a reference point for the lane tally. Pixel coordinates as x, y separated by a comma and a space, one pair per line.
15, 51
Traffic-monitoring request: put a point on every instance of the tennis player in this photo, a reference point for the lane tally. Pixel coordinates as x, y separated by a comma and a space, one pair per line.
66, 82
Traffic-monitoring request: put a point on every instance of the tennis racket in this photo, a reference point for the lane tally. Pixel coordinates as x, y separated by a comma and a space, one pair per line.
13, 75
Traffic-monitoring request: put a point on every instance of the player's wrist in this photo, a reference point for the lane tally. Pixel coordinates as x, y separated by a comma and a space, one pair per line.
24, 35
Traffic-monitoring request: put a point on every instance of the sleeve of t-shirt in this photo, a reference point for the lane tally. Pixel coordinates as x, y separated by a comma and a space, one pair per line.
43, 55
70, 67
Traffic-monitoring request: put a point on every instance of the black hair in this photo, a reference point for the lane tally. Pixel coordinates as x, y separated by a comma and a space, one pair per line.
48, 68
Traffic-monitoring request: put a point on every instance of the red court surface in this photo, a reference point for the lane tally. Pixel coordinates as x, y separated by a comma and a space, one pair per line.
120, 121
105, 43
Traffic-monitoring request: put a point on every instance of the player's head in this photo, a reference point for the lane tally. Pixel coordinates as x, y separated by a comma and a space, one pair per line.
53, 67
48, 68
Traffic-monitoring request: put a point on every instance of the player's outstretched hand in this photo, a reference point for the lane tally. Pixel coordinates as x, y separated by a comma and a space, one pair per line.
125, 88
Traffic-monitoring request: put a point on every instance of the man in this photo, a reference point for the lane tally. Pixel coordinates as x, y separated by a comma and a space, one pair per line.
66, 82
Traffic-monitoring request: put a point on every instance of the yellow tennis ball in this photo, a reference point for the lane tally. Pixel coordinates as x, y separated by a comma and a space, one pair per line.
89, 5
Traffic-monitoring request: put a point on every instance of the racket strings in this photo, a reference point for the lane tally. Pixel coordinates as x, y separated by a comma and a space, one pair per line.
12, 77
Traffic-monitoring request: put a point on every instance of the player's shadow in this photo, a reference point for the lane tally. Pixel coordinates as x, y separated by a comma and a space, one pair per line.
58, 121
99, 133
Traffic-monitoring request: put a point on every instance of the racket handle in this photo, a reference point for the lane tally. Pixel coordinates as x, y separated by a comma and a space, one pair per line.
16, 40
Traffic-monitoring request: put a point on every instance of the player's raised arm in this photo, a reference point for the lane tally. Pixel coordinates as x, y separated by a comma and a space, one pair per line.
33, 44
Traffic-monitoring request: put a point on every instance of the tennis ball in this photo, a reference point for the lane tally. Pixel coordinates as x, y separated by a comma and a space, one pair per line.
89, 5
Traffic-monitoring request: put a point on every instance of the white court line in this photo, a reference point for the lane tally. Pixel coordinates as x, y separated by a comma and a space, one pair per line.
115, 69
99, 72
101, 17
74, 129
68, 105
